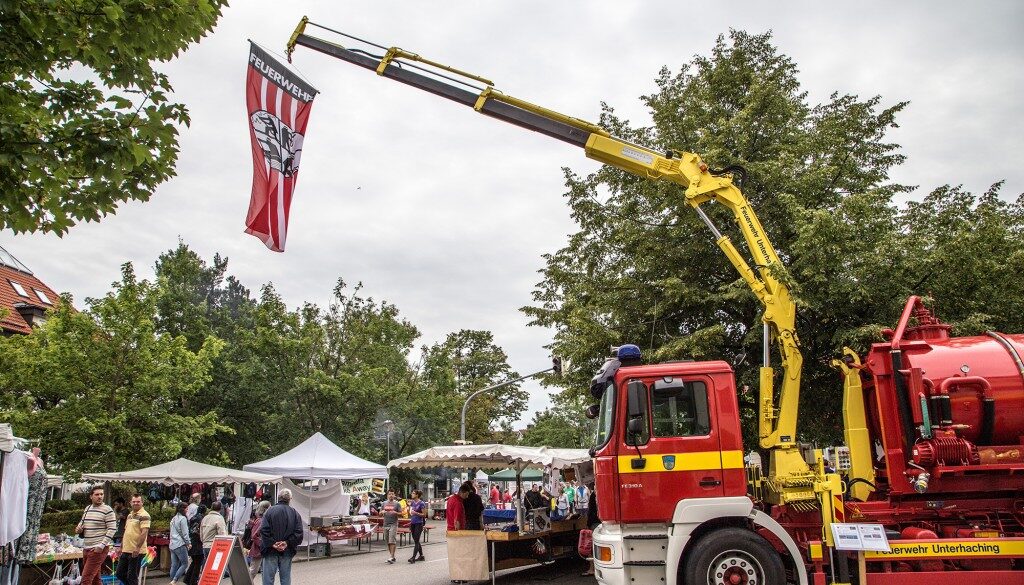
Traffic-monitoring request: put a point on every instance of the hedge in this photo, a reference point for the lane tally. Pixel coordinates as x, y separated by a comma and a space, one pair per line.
66, 520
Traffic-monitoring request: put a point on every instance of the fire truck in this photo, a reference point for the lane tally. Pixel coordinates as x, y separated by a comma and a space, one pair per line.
932, 423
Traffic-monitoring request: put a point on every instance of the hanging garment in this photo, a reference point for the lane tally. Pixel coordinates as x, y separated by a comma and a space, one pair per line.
13, 496
25, 547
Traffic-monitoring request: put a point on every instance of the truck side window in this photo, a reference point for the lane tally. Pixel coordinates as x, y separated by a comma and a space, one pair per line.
680, 408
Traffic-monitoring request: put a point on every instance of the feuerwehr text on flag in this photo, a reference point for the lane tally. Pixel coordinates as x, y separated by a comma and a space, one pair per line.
278, 103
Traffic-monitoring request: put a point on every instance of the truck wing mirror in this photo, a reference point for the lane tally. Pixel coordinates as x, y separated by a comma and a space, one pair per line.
635, 427
593, 411
636, 392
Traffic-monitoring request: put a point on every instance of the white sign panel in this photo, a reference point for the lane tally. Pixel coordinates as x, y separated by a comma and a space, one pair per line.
860, 537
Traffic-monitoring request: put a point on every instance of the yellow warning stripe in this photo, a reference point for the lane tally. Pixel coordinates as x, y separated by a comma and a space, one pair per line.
951, 549
693, 461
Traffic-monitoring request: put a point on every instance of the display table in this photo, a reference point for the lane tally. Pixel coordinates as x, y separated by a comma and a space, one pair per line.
162, 542
494, 515
42, 569
343, 535
509, 550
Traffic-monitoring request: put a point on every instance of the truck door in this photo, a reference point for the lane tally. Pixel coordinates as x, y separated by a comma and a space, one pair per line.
673, 451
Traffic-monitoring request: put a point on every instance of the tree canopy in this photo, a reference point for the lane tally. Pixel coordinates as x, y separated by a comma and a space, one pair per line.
102, 388
85, 117
642, 268
192, 364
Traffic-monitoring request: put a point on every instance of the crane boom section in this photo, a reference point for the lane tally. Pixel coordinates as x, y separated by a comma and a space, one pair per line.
777, 425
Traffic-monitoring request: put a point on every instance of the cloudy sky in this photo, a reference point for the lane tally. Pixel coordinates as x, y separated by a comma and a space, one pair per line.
446, 213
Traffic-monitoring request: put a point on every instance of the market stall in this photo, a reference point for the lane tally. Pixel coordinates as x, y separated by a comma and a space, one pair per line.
316, 471
183, 477
475, 554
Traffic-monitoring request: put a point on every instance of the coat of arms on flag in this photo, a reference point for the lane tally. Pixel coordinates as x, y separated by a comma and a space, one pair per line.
278, 102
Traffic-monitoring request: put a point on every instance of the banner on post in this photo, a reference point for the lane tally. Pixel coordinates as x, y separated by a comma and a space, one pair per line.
278, 103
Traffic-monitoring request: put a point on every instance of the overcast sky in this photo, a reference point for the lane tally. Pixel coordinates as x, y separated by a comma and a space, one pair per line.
445, 212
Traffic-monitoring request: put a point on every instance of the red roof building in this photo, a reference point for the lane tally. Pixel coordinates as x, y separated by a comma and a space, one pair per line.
24, 299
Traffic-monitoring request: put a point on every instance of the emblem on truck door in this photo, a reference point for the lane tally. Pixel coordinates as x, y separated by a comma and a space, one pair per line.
669, 461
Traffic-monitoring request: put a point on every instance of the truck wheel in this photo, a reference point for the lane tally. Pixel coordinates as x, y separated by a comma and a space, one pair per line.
732, 556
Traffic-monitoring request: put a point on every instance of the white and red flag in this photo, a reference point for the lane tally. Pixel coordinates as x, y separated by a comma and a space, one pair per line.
279, 102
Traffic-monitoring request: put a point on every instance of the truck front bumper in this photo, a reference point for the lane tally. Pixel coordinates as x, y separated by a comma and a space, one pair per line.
608, 572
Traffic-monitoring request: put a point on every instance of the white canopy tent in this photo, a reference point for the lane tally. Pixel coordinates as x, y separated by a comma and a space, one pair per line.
492, 457
317, 458
183, 470
495, 457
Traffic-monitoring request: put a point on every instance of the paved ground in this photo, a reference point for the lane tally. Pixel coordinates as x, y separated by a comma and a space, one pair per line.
371, 569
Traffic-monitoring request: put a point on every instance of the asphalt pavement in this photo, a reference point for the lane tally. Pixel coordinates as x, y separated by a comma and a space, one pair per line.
371, 569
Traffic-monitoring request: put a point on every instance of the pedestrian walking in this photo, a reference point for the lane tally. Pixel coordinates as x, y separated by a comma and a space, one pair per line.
97, 528
193, 506
211, 527
195, 552
134, 543
281, 533
121, 513
180, 543
390, 510
418, 519
255, 549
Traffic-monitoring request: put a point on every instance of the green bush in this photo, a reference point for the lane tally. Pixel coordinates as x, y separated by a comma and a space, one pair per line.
60, 522
62, 506
64, 521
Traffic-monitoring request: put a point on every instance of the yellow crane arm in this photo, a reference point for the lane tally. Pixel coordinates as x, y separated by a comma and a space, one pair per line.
777, 425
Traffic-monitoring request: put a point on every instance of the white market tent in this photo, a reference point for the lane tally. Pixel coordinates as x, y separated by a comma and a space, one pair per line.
183, 470
492, 457
318, 458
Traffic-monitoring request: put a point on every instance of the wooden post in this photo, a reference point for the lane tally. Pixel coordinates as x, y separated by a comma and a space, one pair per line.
862, 568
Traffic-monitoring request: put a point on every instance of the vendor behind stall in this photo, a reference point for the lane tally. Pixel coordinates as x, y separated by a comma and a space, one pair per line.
474, 507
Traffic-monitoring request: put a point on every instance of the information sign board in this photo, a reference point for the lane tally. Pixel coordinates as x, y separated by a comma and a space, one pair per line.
859, 537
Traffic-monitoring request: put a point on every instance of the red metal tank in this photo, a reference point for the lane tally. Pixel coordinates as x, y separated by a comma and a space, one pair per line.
968, 390
970, 371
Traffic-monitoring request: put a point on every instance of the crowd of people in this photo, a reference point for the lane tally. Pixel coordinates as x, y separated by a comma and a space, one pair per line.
274, 533
271, 538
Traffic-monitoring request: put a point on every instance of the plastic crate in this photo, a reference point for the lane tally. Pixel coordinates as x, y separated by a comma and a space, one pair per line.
317, 550
109, 580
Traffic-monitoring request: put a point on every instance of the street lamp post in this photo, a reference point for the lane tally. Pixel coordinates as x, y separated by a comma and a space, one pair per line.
556, 366
388, 426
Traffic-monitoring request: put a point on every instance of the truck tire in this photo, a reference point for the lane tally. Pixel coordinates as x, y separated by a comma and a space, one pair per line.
732, 556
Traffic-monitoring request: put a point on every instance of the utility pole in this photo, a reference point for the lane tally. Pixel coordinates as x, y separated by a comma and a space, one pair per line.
556, 367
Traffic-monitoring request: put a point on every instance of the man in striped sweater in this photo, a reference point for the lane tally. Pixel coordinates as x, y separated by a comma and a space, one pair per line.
97, 528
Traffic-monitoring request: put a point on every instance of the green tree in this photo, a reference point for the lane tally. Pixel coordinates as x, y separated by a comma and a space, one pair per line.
85, 121
643, 269
102, 388
562, 425
467, 361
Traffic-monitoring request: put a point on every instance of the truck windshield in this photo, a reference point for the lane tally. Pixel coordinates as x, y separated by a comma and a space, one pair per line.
607, 417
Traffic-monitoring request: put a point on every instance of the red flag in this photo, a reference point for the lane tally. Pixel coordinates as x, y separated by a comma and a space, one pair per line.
279, 103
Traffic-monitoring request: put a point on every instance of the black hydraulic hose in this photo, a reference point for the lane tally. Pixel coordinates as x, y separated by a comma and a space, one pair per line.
849, 485
736, 170
988, 420
903, 401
